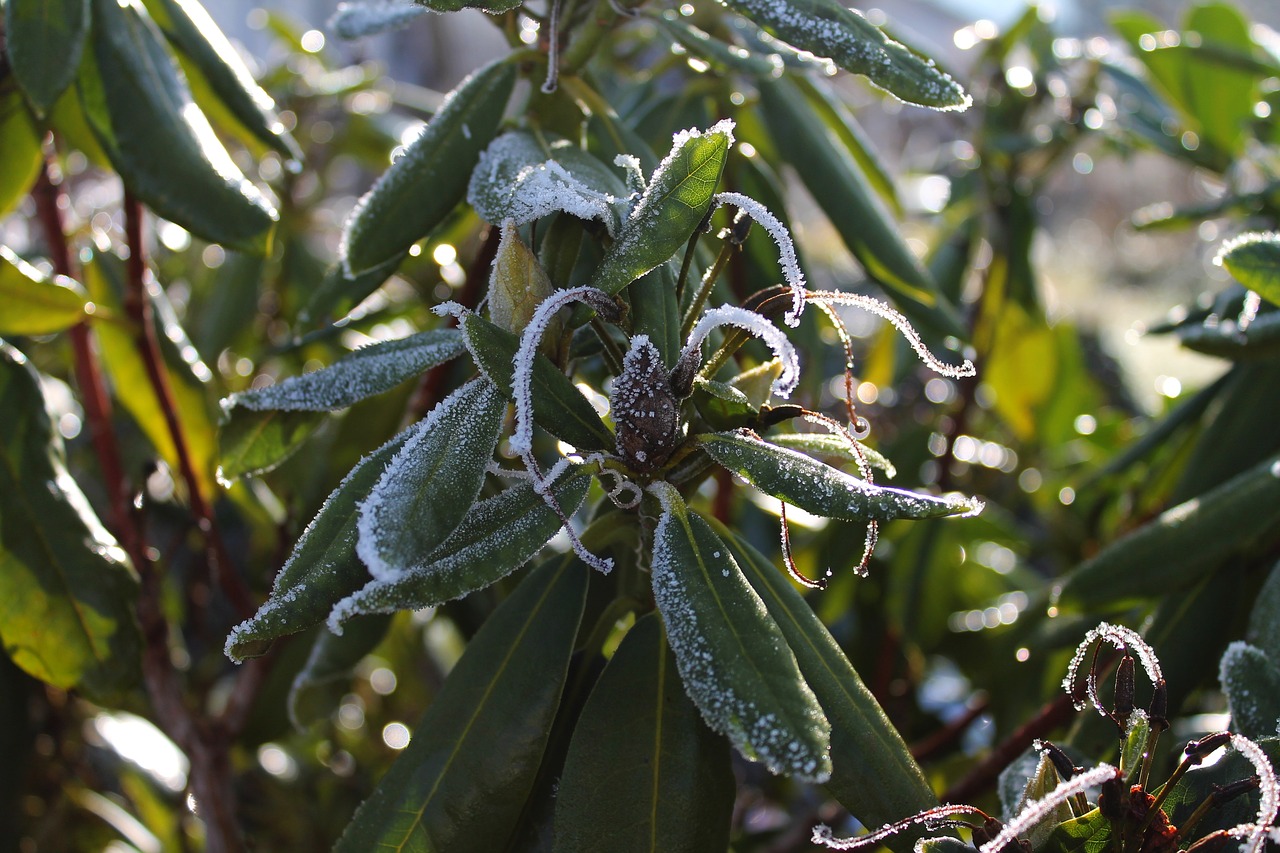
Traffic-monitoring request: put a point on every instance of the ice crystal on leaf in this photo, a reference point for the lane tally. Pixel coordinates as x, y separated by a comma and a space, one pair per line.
755, 324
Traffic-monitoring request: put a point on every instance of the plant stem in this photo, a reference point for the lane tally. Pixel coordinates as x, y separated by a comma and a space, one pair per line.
704, 288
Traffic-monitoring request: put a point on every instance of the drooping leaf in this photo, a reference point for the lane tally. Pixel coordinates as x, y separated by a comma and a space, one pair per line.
872, 771
319, 686
462, 782
36, 304
422, 187
497, 536
733, 658
323, 567
370, 17
44, 40
20, 147
826, 444
643, 772
253, 443
431, 483
674, 203
828, 29
66, 588
558, 406
820, 489
190, 28
1254, 260
141, 111
1251, 680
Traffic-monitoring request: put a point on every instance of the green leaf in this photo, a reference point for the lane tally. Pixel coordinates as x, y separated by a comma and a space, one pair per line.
339, 292
1261, 340
716, 52
826, 444
462, 782
319, 686
734, 660
423, 186
1251, 680
1089, 833
432, 482
853, 206
1264, 619
820, 489
323, 567
1182, 543
558, 406
66, 587
722, 405
190, 28
643, 773
20, 150
673, 205
826, 28
141, 111
36, 304
872, 771
44, 41
1135, 746
517, 285
493, 7
497, 536
252, 443
1254, 260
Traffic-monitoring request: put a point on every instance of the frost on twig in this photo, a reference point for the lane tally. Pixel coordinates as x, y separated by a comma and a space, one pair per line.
755, 324
1036, 810
1124, 639
786, 248
934, 818
901, 323
1255, 833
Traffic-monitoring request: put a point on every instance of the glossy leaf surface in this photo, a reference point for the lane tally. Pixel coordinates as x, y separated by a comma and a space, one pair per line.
36, 304
461, 784
44, 40
1254, 260
20, 142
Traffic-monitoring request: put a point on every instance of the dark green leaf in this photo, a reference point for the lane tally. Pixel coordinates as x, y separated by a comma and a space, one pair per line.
323, 567
1089, 833
1261, 340
826, 28
672, 206
1264, 618
461, 784
643, 772
423, 186
872, 771
66, 588
1183, 542
44, 40
158, 140
654, 311
818, 488
20, 148
319, 687
1251, 681
558, 406
497, 536
339, 292
722, 405
1254, 260
35, 304
735, 662
252, 443
190, 28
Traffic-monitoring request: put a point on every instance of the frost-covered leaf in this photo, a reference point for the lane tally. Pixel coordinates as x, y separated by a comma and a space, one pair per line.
558, 407
826, 444
1264, 619
323, 567
370, 17
1251, 681
44, 40
679, 193
462, 783
36, 304
66, 588
1254, 260
820, 489
497, 536
643, 772
319, 686
493, 7
734, 660
519, 179
368, 371
422, 187
827, 29
431, 481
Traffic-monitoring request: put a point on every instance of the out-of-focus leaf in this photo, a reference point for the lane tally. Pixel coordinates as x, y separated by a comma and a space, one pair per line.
462, 782
1264, 618
732, 656
1254, 260
1251, 681
1261, 340
493, 7
141, 111
826, 28
873, 773
643, 772
20, 148
497, 536
1023, 369
1236, 433
320, 685
339, 292
672, 206
558, 406
252, 443
431, 482
1183, 542
423, 186
66, 587
44, 40
818, 488
370, 17
323, 567
190, 28
715, 52
36, 304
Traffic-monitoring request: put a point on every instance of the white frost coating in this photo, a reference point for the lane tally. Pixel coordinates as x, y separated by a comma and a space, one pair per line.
1123, 639
786, 248
450, 309
932, 818
901, 323
1036, 810
356, 20
367, 371
756, 324
630, 165
1255, 834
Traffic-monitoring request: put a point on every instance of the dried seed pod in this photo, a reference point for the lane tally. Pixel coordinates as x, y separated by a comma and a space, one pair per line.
646, 412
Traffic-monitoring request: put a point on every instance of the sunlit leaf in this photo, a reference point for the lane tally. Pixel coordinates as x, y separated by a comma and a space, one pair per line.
20, 148
1254, 260
36, 304
44, 40
360, 18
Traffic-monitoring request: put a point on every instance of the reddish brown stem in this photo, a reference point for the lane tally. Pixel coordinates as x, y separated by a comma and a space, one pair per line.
945, 737
1050, 716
